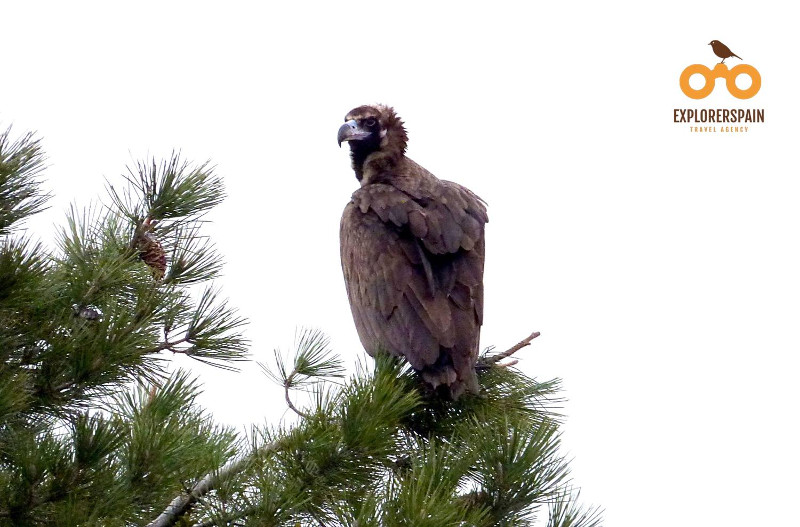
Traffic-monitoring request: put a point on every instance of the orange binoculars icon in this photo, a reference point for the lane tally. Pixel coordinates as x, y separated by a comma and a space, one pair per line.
721, 70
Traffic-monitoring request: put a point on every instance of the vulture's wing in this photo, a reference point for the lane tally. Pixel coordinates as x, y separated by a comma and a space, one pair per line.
413, 267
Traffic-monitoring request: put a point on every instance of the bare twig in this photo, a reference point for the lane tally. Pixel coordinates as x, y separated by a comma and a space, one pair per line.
510, 363
494, 359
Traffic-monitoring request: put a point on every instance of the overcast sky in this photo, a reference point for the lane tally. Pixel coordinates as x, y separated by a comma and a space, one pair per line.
661, 266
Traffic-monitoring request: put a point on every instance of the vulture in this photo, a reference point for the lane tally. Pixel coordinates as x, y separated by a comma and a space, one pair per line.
412, 249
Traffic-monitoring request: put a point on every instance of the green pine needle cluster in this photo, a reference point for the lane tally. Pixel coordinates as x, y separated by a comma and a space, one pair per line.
114, 468
21, 162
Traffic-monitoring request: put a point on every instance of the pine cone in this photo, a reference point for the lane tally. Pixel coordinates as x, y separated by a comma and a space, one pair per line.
150, 250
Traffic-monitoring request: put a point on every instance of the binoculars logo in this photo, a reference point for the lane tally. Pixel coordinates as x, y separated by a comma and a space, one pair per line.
721, 70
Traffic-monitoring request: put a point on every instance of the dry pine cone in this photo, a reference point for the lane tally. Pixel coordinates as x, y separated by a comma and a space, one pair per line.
150, 250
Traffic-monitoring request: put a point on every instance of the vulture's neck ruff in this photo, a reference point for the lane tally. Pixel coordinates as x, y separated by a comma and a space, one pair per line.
377, 140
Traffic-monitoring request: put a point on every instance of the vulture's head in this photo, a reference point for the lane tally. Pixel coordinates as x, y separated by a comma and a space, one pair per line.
374, 133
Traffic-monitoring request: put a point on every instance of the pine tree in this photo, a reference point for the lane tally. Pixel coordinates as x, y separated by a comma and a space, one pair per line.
79, 324
94, 431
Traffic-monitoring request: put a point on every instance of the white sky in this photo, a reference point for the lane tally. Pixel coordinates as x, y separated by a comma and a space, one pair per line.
660, 266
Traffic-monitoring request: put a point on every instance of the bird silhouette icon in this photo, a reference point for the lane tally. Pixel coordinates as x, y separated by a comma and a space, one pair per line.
722, 51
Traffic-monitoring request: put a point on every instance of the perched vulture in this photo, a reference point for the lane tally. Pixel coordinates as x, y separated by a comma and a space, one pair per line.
412, 249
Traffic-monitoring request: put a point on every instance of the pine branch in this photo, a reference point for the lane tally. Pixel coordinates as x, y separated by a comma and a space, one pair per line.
211, 331
21, 162
170, 190
193, 259
171, 345
286, 386
313, 362
565, 511
484, 461
77, 325
179, 506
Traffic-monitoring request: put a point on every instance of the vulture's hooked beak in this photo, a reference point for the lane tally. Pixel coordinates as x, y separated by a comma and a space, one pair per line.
350, 131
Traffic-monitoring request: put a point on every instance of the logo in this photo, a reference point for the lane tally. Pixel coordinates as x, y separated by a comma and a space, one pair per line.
720, 115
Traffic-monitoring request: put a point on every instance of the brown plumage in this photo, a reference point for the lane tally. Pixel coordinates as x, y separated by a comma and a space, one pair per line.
412, 249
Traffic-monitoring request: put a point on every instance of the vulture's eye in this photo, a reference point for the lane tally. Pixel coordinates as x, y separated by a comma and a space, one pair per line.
369, 123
